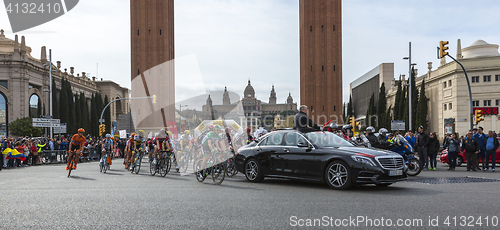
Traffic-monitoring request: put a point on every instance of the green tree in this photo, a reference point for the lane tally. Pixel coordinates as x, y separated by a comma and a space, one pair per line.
84, 111
370, 121
402, 103
78, 112
350, 111
71, 125
397, 100
421, 118
107, 115
94, 128
381, 107
63, 103
55, 102
24, 127
414, 101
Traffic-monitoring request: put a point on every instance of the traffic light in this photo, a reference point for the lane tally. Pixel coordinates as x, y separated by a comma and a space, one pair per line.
154, 99
102, 129
443, 48
479, 115
352, 122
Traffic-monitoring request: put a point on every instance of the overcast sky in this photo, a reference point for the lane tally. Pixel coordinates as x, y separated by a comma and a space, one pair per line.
228, 42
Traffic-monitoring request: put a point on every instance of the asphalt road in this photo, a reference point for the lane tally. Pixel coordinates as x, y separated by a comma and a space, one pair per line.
43, 197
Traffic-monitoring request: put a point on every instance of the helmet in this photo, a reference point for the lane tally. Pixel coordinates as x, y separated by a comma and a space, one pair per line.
81, 130
332, 127
227, 129
370, 129
390, 134
248, 129
187, 132
169, 133
132, 135
112, 138
211, 127
346, 127
216, 128
383, 131
141, 133
162, 133
108, 135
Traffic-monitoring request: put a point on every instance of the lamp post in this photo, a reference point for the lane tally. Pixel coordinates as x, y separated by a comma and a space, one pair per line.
50, 87
409, 86
180, 110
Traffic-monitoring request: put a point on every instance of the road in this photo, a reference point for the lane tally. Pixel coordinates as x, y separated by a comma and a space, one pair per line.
43, 197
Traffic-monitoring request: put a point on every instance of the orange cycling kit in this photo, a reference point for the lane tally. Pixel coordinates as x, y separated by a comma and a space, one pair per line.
77, 142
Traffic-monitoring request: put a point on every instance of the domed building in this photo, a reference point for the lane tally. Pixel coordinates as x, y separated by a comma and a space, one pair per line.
448, 95
249, 109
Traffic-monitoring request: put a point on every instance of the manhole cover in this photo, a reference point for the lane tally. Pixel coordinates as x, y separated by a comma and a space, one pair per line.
453, 180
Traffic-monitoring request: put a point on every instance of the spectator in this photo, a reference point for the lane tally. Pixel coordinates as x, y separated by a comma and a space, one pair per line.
40, 147
446, 141
480, 136
432, 150
453, 150
34, 152
491, 146
422, 143
302, 122
20, 148
474, 131
411, 139
471, 147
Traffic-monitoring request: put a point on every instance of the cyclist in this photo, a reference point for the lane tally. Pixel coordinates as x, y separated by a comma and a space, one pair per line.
128, 150
76, 143
210, 144
137, 145
107, 148
249, 138
162, 144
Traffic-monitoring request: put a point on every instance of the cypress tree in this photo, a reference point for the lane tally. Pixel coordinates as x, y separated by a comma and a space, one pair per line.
63, 103
350, 113
93, 120
78, 112
402, 104
55, 102
72, 127
421, 119
107, 115
397, 115
381, 107
388, 118
414, 101
84, 111
370, 111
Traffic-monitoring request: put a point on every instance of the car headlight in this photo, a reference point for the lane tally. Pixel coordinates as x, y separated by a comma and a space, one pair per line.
364, 160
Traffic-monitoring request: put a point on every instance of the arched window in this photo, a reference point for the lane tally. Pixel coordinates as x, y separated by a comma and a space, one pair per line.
3, 115
35, 107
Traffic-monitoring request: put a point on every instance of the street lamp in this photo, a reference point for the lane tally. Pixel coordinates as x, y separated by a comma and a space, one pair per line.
50, 87
409, 88
180, 110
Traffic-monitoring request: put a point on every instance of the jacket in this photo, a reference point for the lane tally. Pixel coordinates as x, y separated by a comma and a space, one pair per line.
302, 122
470, 145
495, 142
373, 140
481, 138
382, 141
423, 140
433, 147
453, 145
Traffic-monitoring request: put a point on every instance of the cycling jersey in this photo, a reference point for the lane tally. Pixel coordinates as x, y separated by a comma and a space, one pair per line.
210, 136
78, 140
161, 141
107, 144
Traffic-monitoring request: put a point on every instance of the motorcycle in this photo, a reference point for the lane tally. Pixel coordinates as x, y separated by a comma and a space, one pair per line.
401, 146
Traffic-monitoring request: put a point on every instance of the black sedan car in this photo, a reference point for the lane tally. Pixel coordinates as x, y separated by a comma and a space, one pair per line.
318, 156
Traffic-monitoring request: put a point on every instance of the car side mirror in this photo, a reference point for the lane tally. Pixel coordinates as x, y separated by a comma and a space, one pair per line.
302, 144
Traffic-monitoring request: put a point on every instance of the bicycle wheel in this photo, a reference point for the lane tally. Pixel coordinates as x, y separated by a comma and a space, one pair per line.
162, 168
218, 173
138, 165
184, 163
106, 165
169, 162
230, 168
70, 165
152, 168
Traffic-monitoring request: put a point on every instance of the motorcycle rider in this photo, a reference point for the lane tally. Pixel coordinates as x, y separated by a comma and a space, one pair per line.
382, 138
332, 127
347, 132
370, 135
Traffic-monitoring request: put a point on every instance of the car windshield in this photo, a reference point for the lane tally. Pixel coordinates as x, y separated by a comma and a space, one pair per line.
327, 139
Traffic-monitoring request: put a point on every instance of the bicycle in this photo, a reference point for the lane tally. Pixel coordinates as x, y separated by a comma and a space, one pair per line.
135, 166
161, 165
72, 159
104, 166
183, 160
216, 170
230, 167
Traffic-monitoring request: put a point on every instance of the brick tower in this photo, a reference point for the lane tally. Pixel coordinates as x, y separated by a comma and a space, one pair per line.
152, 73
321, 59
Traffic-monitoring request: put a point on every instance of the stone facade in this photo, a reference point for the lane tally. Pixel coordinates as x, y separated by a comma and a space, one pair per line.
447, 91
321, 59
22, 76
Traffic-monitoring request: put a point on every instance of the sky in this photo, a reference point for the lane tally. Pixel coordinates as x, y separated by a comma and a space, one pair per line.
222, 43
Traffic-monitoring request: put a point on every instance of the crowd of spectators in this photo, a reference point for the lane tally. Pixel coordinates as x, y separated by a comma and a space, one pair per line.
40, 150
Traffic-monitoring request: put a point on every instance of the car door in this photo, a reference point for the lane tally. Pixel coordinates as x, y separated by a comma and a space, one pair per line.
299, 160
269, 150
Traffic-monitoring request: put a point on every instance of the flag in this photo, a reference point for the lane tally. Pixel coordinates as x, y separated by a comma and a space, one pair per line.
13, 154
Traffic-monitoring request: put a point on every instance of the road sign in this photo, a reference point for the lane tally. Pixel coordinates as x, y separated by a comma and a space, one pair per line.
397, 125
61, 128
45, 122
45, 116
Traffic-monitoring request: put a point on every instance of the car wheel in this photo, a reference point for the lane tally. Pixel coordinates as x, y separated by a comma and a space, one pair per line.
383, 185
253, 172
338, 175
460, 160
